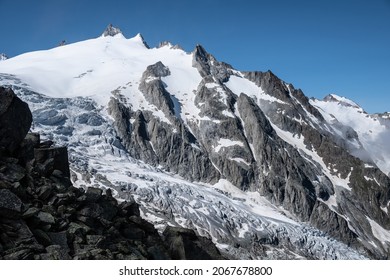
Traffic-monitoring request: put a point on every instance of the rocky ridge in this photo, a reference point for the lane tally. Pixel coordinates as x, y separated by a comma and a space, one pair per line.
42, 216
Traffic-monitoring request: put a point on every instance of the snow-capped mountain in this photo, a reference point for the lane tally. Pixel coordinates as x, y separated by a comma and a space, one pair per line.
241, 157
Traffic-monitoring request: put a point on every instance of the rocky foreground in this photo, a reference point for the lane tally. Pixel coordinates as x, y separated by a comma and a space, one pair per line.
42, 216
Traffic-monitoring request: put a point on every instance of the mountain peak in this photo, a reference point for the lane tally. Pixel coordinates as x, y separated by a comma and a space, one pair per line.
141, 39
169, 45
111, 31
341, 100
3, 56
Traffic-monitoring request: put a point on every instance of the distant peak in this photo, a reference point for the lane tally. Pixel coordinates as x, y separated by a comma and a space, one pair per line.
111, 31
62, 43
169, 45
341, 100
3, 56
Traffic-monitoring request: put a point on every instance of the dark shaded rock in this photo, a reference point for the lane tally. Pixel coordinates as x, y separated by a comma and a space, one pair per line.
11, 172
55, 252
15, 120
25, 153
22, 254
10, 204
59, 156
30, 212
130, 208
132, 232
59, 238
42, 237
93, 194
184, 244
78, 227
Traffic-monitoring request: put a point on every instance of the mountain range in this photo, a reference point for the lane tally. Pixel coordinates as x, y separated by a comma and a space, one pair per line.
242, 158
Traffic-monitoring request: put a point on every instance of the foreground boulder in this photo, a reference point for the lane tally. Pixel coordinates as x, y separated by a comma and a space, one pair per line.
185, 244
15, 120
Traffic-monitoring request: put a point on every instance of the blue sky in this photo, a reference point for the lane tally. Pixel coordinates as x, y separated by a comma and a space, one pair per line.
333, 46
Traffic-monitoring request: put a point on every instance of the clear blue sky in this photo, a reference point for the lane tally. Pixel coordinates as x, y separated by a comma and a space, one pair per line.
323, 46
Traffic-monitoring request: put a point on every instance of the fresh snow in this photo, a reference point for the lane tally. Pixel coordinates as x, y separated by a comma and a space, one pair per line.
98, 67
379, 232
224, 142
344, 101
240, 85
373, 134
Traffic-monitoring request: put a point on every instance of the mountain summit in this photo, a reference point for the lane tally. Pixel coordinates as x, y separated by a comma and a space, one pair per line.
111, 31
243, 158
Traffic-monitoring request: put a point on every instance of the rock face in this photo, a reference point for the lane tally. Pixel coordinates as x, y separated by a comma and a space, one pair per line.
15, 120
111, 31
42, 216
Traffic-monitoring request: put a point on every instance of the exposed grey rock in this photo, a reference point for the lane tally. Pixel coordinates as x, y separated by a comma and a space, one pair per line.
208, 65
325, 219
154, 89
111, 31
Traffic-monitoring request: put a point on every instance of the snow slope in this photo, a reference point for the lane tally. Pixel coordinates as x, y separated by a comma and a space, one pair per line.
373, 131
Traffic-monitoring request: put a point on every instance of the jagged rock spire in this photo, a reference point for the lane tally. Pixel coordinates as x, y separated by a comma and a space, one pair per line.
3, 56
111, 31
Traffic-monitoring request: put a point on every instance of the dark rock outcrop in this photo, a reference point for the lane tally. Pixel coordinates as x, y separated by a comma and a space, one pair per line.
185, 244
15, 121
